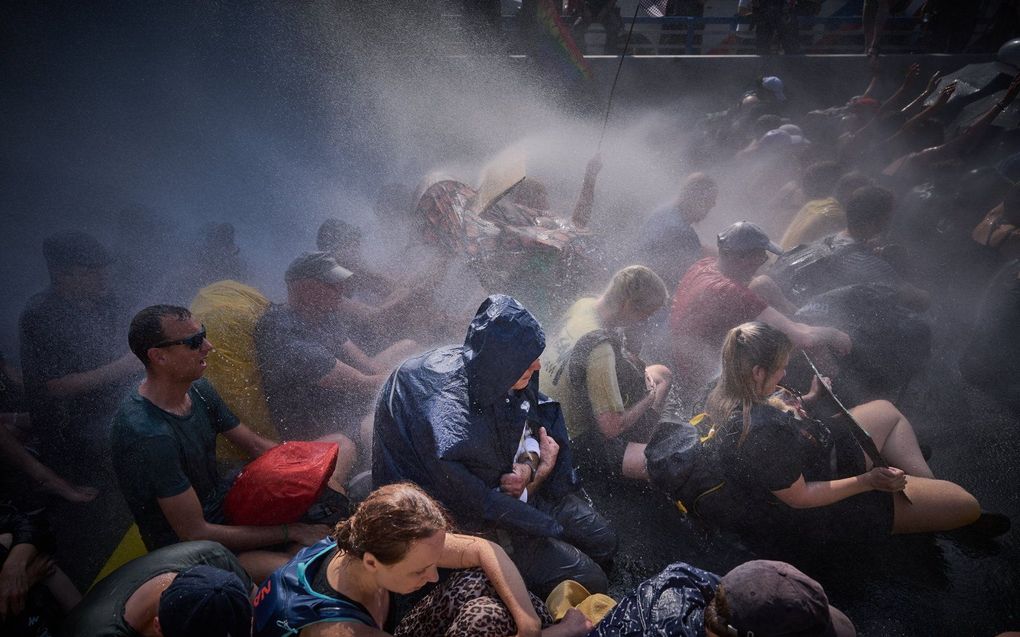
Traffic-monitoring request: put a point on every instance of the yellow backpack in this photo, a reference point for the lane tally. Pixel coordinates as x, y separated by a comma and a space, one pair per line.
229, 310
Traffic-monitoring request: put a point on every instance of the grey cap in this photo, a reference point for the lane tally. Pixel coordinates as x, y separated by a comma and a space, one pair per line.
317, 265
745, 236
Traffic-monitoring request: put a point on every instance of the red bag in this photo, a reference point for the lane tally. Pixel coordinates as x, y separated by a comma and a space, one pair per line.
280, 485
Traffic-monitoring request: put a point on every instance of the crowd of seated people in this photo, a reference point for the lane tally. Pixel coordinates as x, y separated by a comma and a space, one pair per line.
474, 452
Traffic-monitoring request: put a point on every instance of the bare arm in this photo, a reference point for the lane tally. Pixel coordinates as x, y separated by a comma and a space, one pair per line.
808, 495
586, 200
343, 376
806, 336
465, 551
897, 98
184, 513
82, 382
248, 441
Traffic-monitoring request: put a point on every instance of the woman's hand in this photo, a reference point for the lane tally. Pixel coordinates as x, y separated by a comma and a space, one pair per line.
889, 479
573, 624
817, 390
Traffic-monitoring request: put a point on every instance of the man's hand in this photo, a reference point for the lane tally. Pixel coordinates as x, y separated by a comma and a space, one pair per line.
933, 82
913, 72
514, 483
658, 378
816, 390
14, 587
307, 534
548, 449
947, 92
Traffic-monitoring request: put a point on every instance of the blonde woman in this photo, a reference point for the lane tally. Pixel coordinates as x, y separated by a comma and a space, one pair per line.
789, 473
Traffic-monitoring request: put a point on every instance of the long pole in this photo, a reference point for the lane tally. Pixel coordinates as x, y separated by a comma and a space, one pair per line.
612, 90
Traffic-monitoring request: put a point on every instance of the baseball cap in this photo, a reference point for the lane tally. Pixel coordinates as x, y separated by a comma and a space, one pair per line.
775, 85
68, 249
745, 236
317, 265
767, 599
205, 602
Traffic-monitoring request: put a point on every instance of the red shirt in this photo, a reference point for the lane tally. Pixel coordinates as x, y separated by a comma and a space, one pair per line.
706, 305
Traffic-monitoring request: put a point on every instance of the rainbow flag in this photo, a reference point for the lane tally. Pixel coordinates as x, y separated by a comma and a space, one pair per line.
558, 39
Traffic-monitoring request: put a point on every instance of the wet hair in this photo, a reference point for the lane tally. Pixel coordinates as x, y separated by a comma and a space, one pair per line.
336, 235
717, 613
747, 346
639, 285
848, 183
389, 520
697, 188
819, 179
146, 329
867, 208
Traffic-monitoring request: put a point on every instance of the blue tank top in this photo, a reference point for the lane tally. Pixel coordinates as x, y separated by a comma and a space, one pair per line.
287, 603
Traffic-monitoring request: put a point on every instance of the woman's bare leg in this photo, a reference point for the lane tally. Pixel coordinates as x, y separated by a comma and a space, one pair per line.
935, 505
894, 436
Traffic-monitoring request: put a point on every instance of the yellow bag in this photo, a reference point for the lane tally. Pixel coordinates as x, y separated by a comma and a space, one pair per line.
229, 310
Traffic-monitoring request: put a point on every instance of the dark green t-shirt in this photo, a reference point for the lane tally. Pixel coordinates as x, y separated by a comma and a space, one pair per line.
157, 454
101, 613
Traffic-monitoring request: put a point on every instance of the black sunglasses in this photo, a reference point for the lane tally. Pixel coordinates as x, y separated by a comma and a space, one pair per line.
194, 341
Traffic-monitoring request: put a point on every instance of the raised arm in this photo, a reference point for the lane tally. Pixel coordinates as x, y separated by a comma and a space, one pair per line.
586, 200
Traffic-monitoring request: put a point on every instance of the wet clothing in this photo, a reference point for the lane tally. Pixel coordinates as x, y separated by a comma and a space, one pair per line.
293, 355
590, 372
668, 245
58, 338
706, 305
778, 448
298, 594
816, 220
671, 604
101, 612
448, 421
159, 455
37, 619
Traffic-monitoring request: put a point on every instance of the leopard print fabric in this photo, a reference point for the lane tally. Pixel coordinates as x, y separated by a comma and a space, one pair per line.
465, 605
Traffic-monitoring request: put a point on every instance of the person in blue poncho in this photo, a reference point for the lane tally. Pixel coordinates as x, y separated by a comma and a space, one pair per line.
468, 424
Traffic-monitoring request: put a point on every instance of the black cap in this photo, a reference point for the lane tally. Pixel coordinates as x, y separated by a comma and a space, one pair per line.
745, 236
205, 602
68, 249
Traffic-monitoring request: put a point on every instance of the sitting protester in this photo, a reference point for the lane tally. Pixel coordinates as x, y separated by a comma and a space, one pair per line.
392, 546
318, 382
452, 421
849, 257
787, 474
822, 214
760, 597
185, 590
610, 398
719, 293
34, 592
164, 442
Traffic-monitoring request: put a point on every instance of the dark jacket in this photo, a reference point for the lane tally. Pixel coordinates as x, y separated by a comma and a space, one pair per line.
671, 604
448, 421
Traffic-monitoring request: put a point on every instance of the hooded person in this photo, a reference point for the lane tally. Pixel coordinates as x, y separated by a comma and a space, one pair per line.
468, 424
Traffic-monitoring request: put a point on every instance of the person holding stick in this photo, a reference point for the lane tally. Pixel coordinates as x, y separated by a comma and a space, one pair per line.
788, 474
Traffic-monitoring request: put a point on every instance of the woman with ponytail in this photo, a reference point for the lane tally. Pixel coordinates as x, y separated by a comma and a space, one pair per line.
789, 475
393, 545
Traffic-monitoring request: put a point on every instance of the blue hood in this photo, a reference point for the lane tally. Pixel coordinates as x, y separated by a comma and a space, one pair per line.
504, 339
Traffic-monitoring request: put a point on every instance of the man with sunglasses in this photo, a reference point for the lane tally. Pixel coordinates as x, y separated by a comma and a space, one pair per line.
164, 441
